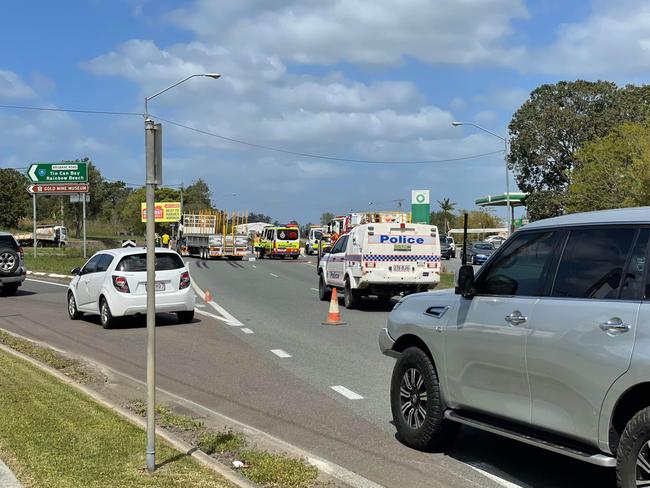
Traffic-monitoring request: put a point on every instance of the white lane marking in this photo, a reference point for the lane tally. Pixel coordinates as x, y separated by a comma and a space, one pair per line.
246, 330
47, 282
220, 318
495, 478
274, 275
254, 266
280, 353
315, 289
309, 264
200, 305
225, 316
346, 392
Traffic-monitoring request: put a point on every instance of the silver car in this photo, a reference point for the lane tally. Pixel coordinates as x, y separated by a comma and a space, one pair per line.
548, 344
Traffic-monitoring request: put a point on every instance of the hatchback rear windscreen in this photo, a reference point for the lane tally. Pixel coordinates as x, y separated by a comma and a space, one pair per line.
138, 262
8, 241
287, 234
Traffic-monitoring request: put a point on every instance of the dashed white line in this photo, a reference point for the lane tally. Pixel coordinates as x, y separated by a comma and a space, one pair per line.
280, 353
315, 289
274, 275
346, 392
254, 266
246, 330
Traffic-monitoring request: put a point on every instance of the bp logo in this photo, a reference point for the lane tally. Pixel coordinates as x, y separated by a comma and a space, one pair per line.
420, 198
42, 172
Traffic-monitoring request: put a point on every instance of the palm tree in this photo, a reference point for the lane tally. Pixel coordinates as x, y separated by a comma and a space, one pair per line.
447, 207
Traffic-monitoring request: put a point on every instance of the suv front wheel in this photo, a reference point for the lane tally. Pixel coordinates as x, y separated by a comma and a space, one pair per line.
633, 453
416, 403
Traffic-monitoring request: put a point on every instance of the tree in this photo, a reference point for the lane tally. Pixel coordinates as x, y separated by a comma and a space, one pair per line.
14, 200
437, 218
326, 217
447, 209
259, 217
557, 119
478, 219
612, 171
197, 197
131, 215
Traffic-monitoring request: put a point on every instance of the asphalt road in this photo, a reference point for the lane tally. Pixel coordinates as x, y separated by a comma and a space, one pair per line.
267, 361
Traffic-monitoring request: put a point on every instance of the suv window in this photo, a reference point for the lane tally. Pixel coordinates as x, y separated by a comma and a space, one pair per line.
521, 269
592, 263
91, 265
138, 262
632, 288
8, 241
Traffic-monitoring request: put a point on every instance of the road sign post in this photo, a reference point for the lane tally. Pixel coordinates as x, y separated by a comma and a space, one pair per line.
34, 208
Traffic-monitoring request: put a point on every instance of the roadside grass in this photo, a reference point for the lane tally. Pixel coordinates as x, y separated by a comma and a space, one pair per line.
446, 281
265, 468
49, 263
70, 367
52, 435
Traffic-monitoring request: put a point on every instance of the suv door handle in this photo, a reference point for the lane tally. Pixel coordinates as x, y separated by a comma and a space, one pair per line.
516, 318
614, 326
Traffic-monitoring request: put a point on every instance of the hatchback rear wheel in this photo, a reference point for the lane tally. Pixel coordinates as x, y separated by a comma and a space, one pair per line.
185, 317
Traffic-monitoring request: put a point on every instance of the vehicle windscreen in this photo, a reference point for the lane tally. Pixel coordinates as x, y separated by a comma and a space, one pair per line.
484, 246
287, 234
444, 240
138, 262
318, 235
8, 241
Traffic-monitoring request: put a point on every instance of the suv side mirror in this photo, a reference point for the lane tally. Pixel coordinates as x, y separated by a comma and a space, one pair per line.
75, 271
466, 284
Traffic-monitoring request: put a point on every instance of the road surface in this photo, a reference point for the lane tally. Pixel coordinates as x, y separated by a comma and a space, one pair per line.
267, 360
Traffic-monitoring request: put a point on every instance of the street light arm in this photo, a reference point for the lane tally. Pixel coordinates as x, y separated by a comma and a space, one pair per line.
456, 124
146, 99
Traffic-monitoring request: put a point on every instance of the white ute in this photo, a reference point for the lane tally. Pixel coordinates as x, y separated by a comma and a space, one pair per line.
382, 260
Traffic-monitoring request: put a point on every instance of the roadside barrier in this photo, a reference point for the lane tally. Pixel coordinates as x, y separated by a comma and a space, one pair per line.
334, 316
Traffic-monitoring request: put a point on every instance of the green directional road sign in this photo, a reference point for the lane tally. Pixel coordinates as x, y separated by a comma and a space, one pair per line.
64, 172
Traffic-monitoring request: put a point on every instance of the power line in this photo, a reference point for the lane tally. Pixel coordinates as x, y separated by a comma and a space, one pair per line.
319, 156
253, 144
70, 110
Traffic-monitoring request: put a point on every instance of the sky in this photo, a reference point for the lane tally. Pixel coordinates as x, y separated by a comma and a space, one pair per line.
371, 80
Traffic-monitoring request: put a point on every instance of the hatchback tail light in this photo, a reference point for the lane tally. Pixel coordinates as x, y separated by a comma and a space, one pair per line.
121, 284
185, 280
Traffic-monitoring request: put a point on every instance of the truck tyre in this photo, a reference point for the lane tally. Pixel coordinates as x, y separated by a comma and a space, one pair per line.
324, 291
351, 297
73, 311
633, 453
105, 315
416, 403
9, 261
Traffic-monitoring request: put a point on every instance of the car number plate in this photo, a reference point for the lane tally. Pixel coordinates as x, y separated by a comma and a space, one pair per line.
159, 286
401, 268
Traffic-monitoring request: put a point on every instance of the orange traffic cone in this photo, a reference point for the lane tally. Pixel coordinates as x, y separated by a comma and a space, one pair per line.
208, 296
334, 316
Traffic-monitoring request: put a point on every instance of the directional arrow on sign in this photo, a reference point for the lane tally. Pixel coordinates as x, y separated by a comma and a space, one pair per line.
32, 173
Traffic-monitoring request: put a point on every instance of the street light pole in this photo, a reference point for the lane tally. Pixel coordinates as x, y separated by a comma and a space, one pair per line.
505, 160
151, 180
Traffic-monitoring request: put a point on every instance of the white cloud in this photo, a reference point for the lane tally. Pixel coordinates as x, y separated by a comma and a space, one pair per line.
12, 87
612, 41
376, 32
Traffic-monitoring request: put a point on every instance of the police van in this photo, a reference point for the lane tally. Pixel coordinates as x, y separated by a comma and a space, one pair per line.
383, 259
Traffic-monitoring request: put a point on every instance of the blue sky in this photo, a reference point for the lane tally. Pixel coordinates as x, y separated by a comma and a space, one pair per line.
362, 79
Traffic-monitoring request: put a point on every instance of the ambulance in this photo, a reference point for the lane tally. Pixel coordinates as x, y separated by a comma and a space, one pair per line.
384, 259
280, 242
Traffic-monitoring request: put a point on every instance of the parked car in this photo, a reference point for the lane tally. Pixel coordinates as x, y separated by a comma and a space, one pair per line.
113, 283
479, 252
12, 264
495, 240
548, 344
445, 248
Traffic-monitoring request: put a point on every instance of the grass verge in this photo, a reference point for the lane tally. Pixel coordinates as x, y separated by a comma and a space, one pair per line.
70, 367
446, 281
51, 263
54, 436
265, 468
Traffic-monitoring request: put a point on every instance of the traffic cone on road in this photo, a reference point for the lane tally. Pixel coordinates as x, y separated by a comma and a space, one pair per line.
334, 316
208, 296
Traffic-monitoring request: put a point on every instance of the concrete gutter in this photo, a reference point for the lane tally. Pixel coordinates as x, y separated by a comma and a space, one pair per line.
7, 478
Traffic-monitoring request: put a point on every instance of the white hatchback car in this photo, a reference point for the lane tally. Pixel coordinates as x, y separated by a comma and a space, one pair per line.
112, 284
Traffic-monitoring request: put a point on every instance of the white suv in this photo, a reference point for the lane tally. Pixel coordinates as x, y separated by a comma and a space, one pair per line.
113, 284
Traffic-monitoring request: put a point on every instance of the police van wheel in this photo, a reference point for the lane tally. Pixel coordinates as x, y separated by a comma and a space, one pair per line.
351, 297
324, 291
